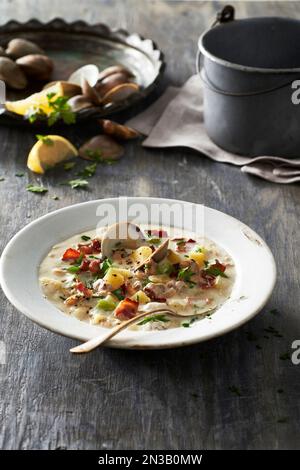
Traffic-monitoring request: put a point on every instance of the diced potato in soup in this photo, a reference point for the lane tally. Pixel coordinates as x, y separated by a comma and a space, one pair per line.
194, 278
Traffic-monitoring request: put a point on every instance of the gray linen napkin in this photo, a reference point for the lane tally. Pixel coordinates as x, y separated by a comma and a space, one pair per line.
176, 120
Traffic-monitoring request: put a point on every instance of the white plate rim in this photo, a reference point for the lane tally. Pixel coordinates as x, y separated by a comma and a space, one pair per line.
137, 342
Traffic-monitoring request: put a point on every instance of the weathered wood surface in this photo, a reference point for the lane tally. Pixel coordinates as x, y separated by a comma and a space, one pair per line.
167, 399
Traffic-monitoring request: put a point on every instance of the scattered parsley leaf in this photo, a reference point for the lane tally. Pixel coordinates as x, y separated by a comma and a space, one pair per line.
159, 317
78, 183
235, 390
19, 175
36, 189
45, 139
2, 178
69, 165
96, 156
88, 171
55, 198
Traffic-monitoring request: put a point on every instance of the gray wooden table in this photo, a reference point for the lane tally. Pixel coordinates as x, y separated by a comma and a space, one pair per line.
228, 393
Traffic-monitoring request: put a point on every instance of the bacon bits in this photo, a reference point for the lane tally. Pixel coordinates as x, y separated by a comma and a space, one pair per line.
126, 309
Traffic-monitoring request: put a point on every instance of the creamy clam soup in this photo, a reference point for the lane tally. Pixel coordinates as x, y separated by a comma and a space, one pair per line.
105, 283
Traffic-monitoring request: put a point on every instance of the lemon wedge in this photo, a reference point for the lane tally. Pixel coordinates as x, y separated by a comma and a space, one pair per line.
48, 152
39, 100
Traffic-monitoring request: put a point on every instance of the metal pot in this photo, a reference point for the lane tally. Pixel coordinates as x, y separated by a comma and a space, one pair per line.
248, 68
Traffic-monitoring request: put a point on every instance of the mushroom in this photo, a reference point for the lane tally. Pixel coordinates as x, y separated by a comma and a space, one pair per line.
121, 235
19, 47
101, 147
36, 66
12, 74
88, 72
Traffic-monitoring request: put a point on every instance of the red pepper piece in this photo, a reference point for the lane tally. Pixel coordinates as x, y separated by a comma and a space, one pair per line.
70, 254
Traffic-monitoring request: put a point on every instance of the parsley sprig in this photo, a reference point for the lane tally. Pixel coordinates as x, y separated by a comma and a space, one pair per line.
60, 110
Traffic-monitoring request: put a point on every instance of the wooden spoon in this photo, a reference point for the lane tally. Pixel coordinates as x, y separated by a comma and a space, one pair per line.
100, 340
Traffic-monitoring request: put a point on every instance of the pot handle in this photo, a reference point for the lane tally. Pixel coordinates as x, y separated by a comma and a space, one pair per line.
224, 16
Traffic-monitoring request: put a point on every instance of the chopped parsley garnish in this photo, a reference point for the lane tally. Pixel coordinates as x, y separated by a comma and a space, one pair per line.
45, 139
159, 317
180, 242
55, 198
85, 238
214, 271
2, 178
88, 171
96, 155
187, 324
107, 263
76, 266
60, 109
154, 241
36, 189
19, 175
73, 269
119, 294
185, 275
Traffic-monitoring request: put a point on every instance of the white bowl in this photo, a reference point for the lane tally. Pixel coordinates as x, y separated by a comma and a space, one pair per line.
20, 260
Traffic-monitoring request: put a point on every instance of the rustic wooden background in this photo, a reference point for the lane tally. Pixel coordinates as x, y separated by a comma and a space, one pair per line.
230, 393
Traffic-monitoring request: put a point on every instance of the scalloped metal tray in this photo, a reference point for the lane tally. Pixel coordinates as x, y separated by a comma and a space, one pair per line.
72, 45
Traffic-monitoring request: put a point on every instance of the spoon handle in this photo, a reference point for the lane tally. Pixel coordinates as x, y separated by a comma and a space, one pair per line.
98, 340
